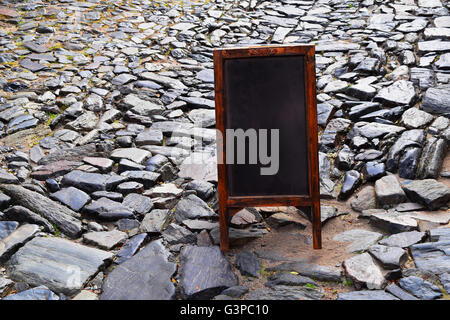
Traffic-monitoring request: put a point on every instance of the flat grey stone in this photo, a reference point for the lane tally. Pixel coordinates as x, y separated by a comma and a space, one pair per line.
429, 192
366, 295
7, 227
248, 264
22, 214
16, 239
107, 209
175, 234
105, 239
61, 265
321, 273
145, 276
154, 221
399, 292
390, 257
432, 256
204, 272
285, 293
388, 191
363, 270
404, 239
192, 207
38, 293
361, 239
134, 154
72, 197
420, 288
64, 219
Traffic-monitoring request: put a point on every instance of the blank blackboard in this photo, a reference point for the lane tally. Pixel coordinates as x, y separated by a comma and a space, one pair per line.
268, 93
267, 87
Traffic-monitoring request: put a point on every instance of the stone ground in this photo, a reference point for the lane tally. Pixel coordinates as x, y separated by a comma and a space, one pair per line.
103, 102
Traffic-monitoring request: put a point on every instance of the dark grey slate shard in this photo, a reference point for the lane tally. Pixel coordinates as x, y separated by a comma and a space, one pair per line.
88, 182
37, 293
248, 264
175, 234
155, 221
351, 182
255, 230
420, 288
436, 101
366, 295
364, 272
288, 279
445, 281
73, 154
192, 207
390, 257
22, 214
61, 265
4, 201
432, 256
235, 292
404, 239
321, 273
285, 293
148, 179
429, 192
204, 272
107, 209
204, 189
7, 227
16, 239
129, 248
72, 197
439, 234
399, 292
145, 276
389, 191
64, 219
138, 203
432, 158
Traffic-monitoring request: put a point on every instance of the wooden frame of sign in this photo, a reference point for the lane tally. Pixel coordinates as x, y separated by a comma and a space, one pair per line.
268, 87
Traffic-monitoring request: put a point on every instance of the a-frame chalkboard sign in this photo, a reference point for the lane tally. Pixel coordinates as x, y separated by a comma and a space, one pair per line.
266, 109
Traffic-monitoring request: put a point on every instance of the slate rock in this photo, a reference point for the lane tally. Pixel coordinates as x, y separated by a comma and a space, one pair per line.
22, 214
361, 239
364, 199
105, 239
7, 227
390, 257
401, 92
288, 279
107, 209
366, 295
145, 276
363, 270
404, 239
64, 219
255, 230
248, 264
436, 101
432, 158
429, 192
399, 292
154, 221
321, 273
175, 234
432, 256
420, 288
129, 248
393, 222
192, 207
138, 203
352, 181
203, 188
61, 265
388, 191
204, 272
285, 293
37, 293
235, 292
72, 197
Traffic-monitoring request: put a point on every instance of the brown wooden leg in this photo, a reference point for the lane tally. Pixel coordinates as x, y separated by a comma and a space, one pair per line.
224, 225
317, 225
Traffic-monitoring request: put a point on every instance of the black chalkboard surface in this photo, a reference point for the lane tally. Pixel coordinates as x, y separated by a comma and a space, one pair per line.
266, 89
268, 93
